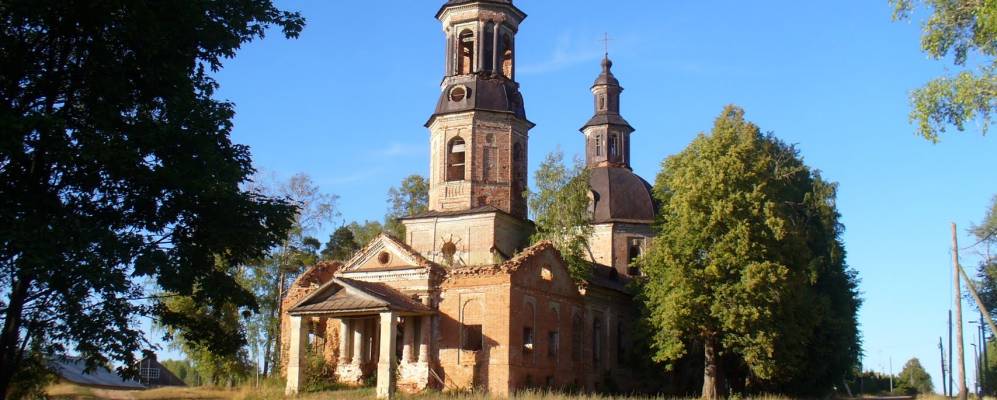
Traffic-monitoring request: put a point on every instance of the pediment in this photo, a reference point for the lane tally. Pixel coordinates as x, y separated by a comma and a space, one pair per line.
385, 253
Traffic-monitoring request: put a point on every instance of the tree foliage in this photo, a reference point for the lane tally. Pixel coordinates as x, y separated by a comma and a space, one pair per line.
959, 28
411, 197
560, 209
117, 169
914, 379
341, 245
212, 367
749, 266
366, 232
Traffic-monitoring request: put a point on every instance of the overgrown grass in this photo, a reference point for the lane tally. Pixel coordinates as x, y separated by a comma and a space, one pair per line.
274, 391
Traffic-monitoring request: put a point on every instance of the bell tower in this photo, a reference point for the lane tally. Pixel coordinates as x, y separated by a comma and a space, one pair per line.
607, 134
479, 130
478, 141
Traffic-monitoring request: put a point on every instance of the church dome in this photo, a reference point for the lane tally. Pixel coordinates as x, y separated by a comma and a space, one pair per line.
619, 195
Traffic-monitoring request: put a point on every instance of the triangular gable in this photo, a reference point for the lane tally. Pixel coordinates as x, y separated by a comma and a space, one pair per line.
385, 253
341, 295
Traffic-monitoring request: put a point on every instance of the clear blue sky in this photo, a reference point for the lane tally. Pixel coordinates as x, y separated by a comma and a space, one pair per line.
346, 102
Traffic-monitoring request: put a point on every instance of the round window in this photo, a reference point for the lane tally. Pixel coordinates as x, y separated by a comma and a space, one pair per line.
458, 93
384, 258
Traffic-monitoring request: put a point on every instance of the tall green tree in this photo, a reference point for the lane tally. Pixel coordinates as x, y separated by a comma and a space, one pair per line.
341, 245
117, 169
411, 197
748, 266
560, 210
914, 379
960, 28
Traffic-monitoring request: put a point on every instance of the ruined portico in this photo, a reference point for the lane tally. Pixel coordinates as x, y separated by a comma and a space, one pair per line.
372, 318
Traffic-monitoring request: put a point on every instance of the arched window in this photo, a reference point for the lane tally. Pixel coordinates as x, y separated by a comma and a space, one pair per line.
634, 249
612, 145
471, 319
598, 144
602, 102
465, 52
455, 159
506, 56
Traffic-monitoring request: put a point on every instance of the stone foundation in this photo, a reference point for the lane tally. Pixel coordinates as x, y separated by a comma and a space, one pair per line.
413, 377
349, 374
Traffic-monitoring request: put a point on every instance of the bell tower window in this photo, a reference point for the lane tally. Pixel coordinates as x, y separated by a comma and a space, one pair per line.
465, 52
455, 159
612, 145
506, 56
598, 145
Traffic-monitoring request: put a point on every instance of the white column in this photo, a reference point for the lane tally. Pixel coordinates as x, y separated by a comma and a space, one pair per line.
495, 47
407, 339
425, 322
386, 361
344, 342
357, 341
296, 356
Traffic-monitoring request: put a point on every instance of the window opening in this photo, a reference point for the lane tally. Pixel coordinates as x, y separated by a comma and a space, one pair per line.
553, 344
472, 337
455, 159
465, 45
527, 340
507, 56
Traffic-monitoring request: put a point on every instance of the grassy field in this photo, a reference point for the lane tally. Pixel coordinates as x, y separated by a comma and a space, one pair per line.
68, 391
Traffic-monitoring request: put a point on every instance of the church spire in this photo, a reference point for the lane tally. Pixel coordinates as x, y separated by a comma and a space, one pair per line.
607, 134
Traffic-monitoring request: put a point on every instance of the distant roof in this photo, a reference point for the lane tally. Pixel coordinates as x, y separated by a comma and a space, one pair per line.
72, 369
344, 296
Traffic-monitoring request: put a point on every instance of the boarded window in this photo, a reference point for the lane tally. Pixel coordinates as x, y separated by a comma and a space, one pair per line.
455, 159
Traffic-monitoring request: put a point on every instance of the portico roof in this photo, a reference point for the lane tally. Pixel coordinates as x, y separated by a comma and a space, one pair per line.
343, 297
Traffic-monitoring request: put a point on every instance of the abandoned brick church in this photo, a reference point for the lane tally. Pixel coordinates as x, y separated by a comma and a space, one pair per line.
463, 301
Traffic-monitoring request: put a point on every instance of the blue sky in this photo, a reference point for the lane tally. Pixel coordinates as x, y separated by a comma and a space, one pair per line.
346, 102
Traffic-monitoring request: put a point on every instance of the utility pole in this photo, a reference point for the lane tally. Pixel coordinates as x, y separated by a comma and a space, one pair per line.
983, 353
951, 380
960, 351
891, 374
